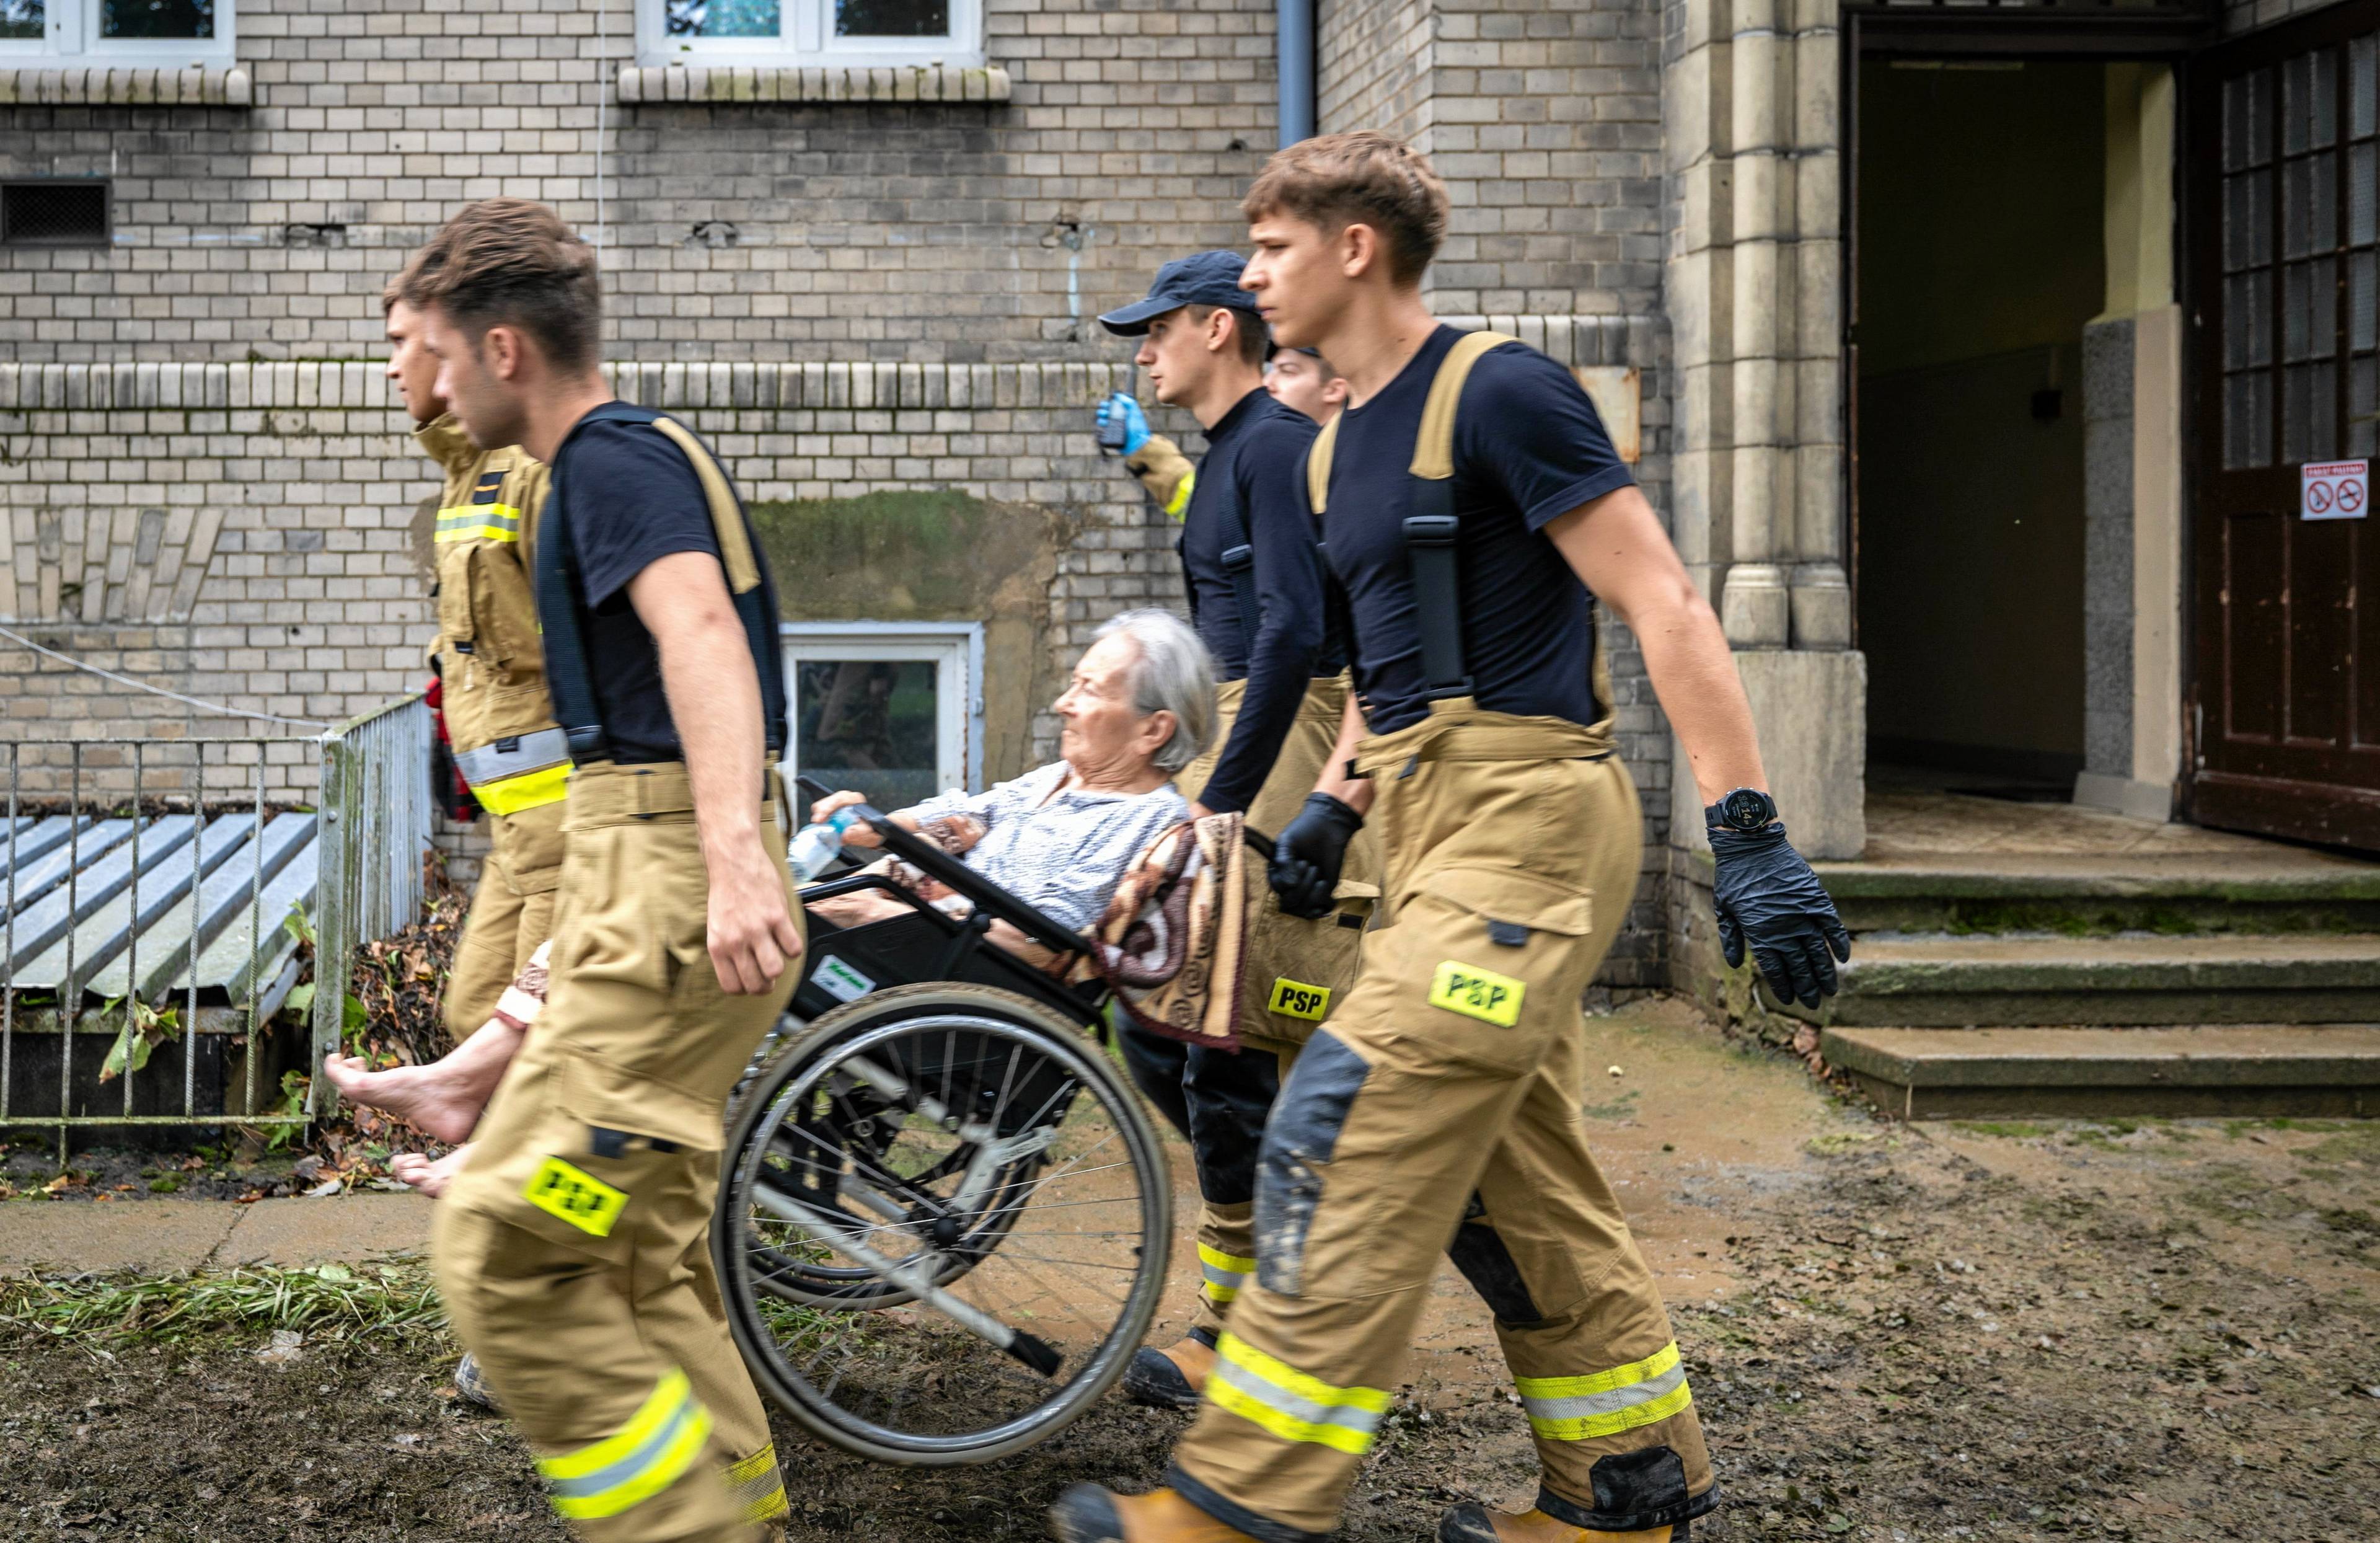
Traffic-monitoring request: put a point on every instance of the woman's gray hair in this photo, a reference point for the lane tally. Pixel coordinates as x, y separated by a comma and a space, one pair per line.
1172, 674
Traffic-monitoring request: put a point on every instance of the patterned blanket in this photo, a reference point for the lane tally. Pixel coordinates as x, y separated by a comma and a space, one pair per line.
1173, 942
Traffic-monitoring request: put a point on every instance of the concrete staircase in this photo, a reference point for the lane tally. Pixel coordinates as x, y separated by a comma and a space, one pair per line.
2227, 977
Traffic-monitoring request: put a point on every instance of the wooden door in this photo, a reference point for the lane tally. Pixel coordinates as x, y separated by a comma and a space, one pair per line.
2283, 259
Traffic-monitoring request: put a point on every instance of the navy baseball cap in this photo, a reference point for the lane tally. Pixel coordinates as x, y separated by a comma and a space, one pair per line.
1201, 279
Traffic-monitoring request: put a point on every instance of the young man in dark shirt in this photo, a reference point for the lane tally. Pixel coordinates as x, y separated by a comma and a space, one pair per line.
1257, 596
573, 1248
1437, 1110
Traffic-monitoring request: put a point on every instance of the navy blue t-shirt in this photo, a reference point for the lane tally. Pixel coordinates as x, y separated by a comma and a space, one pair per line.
1528, 448
632, 498
1251, 488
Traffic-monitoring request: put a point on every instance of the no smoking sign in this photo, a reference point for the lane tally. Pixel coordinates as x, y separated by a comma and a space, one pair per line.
2334, 489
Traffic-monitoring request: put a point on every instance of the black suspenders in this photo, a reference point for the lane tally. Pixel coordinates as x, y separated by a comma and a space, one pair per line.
561, 616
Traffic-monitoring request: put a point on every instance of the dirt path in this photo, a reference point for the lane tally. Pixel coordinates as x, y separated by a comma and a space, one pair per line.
2161, 1331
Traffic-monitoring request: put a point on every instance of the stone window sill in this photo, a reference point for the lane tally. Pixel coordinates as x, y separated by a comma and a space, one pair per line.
96, 86
647, 84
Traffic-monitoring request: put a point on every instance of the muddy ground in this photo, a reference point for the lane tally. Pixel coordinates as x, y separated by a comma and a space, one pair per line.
2143, 1331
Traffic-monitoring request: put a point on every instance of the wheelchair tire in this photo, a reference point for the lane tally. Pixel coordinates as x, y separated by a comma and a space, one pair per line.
943, 1227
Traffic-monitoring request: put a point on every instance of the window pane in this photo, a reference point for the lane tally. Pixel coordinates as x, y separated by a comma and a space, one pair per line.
2310, 206
869, 724
721, 18
2309, 413
157, 18
2248, 120
2246, 220
2361, 93
2248, 420
2361, 405
2247, 321
2362, 302
2359, 190
21, 18
891, 18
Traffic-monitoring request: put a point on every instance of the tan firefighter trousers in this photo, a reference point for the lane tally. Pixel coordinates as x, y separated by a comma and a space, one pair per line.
1293, 970
1438, 1111
512, 911
573, 1249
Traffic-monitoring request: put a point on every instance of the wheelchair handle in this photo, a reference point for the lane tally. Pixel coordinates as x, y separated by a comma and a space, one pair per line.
941, 866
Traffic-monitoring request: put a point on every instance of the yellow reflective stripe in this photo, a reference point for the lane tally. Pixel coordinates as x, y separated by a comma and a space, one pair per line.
1288, 1403
666, 1468
670, 1397
756, 1484
1181, 499
1606, 1403
465, 522
1634, 1372
528, 791
1588, 1428
1224, 1272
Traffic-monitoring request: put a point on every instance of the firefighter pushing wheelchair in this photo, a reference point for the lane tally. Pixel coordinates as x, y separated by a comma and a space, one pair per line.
944, 1220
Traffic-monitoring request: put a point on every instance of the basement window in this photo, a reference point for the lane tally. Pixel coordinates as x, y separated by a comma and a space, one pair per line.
56, 212
783, 33
886, 708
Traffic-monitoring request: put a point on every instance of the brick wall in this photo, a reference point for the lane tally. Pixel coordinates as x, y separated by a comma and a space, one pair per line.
932, 232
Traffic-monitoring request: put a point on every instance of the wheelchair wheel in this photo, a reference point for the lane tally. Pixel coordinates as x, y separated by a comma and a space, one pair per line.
944, 1224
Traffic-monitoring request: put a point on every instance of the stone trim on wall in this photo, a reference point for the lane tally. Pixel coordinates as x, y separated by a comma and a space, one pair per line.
360, 384
643, 84
222, 86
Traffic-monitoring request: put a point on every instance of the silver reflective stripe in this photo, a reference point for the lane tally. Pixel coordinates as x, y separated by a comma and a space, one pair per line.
1273, 1396
1231, 1279
633, 1465
528, 752
1587, 1405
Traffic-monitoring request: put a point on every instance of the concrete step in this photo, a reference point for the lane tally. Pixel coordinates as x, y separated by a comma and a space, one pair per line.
1936, 980
2242, 1070
2265, 889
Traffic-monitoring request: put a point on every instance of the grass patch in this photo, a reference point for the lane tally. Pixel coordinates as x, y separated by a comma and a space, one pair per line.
2016, 1128
1836, 1143
334, 1299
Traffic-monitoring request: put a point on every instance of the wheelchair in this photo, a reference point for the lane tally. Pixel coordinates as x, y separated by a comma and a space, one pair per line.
944, 1220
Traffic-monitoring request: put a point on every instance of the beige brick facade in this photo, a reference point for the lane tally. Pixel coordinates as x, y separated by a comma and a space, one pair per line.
206, 488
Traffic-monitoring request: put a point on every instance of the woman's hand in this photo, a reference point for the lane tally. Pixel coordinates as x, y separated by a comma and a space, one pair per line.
858, 833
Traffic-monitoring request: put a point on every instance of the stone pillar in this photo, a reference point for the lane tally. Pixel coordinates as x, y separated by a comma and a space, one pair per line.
2131, 407
1755, 263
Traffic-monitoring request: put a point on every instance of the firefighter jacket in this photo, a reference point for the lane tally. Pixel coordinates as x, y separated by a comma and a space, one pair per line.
489, 656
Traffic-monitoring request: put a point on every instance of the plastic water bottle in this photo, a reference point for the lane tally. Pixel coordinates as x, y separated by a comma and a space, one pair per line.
814, 847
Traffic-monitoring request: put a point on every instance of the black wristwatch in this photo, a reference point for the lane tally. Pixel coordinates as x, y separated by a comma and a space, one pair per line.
1746, 808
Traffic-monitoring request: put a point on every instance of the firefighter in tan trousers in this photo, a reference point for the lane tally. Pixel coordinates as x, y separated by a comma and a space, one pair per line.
573, 1247
1475, 512
1262, 607
491, 678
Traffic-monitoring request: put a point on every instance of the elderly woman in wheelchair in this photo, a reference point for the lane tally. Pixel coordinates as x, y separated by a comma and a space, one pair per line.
944, 1220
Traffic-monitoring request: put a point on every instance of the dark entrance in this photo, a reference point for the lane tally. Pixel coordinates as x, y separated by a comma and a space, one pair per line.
2284, 295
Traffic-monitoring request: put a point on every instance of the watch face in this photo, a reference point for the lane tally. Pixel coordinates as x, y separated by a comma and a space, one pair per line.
1746, 809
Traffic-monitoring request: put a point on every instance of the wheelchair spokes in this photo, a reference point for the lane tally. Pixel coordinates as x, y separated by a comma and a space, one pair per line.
949, 1217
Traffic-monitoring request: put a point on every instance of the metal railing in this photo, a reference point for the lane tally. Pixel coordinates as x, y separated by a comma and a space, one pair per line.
149, 886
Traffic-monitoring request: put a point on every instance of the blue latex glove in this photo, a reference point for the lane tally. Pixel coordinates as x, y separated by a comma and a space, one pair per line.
1768, 899
1126, 409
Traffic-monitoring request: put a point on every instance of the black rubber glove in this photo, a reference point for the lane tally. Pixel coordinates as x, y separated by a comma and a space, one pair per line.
1307, 858
1768, 897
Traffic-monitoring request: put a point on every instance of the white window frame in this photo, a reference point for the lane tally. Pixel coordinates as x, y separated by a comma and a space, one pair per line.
806, 39
71, 33
955, 649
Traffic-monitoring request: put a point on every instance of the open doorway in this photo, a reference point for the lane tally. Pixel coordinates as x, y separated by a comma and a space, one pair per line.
1981, 212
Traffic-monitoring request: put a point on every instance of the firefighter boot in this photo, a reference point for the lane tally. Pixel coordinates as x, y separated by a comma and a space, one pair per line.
1087, 1514
1472, 1523
1170, 1378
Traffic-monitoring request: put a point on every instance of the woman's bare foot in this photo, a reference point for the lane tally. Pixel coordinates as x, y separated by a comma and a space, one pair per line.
442, 1100
432, 1098
430, 1177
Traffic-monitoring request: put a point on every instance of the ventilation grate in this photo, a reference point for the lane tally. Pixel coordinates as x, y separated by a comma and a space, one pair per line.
54, 212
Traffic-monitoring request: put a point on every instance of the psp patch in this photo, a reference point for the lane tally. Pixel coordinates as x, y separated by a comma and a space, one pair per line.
576, 1197
1477, 993
1295, 999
